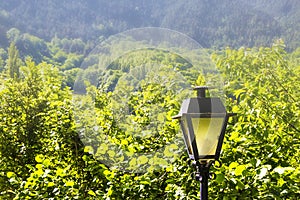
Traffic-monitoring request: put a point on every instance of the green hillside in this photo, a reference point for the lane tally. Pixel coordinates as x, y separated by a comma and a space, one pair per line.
212, 23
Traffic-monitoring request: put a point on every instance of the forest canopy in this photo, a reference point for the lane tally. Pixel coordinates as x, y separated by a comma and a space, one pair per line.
212, 23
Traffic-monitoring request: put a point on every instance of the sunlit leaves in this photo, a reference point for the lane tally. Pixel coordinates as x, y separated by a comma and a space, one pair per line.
36, 121
265, 135
260, 157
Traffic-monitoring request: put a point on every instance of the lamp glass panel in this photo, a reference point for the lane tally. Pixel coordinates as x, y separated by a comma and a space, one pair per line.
207, 132
186, 134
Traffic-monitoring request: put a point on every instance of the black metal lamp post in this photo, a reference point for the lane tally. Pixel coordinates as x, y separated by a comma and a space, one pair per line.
203, 122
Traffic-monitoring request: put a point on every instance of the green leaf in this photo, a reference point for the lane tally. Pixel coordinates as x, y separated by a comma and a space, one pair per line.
70, 183
60, 172
85, 158
239, 92
10, 174
39, 172
235, 109
50, 184
47, 162
91, 192
124, 142
145, 182
234, 136
280, 182
239, 170
106, 172
233, 165
220, 178
161, 117
111, 153
39, 158
132, 162
110, 191
39, 166
240, 185
142, 160
89, 149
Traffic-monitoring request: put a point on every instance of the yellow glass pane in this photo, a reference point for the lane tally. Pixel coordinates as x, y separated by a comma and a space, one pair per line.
207, 132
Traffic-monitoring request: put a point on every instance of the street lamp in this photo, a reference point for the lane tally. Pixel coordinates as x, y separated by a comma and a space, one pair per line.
203, 122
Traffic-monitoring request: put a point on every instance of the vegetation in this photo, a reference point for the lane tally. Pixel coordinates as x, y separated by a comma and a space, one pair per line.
115, 139
211, 23
262, 149
42, 155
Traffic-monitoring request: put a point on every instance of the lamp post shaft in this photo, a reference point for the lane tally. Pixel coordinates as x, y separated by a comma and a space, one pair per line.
202, 175
204, 186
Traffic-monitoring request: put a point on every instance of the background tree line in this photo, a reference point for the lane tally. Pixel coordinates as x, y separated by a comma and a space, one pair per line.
211, 23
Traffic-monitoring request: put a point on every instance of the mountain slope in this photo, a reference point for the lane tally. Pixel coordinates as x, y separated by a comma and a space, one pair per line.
212, 23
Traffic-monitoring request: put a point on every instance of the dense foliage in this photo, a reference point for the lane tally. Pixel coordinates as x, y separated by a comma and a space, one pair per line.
42, 156
262, 151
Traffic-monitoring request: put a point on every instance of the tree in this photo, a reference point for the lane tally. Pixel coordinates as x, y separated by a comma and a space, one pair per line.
35, 119
13, 35
13, 62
